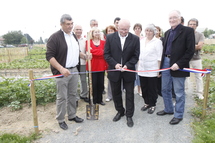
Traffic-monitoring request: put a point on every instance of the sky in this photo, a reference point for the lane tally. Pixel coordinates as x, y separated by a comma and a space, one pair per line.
41, 18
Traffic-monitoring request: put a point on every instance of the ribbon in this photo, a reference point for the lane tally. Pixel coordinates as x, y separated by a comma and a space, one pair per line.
202, 71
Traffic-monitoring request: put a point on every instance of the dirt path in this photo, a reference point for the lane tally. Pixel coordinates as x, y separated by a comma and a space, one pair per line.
148, 128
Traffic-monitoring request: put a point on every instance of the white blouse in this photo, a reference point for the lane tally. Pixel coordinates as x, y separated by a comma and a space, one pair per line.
150, 55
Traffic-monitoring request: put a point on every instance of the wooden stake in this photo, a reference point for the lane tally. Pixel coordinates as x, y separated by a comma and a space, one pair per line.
206, 91
33, 102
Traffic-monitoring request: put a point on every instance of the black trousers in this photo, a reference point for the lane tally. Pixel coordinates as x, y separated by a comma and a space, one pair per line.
98, 86
149, 90
129, 97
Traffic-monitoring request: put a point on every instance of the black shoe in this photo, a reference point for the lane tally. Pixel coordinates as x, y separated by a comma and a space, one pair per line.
118, 117
151, 109
63, 125
102, 103
76, 103
85, 99
175, 121
76, 119
161, 113
130, 122
145, 107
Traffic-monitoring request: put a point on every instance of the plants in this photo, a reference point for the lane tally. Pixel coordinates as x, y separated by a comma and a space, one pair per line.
14, 138
15, 91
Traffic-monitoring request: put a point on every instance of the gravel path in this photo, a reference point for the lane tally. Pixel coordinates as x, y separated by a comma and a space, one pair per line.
148, 128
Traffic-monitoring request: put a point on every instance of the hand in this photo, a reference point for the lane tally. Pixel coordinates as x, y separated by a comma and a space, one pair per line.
174, 67
124, 67
65, 72
88, 56
118, 66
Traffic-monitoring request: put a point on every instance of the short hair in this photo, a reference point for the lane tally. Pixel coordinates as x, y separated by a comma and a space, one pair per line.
151, 27
116, 19
182, 19
110, 27
92, 21
137, 25
91, 32
159, 29
65, 17
194, 19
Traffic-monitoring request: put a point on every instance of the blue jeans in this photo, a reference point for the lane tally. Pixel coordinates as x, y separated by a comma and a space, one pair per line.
178, 85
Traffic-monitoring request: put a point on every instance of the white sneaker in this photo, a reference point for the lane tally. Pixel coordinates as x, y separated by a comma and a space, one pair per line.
107, 100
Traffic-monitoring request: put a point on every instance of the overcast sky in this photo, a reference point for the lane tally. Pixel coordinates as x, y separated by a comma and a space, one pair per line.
40, 18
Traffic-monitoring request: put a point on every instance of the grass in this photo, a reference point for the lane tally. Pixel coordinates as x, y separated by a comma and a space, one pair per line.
204, 128
14, 138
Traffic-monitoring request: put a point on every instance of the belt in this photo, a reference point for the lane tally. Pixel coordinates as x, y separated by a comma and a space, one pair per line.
168, 56
71, 67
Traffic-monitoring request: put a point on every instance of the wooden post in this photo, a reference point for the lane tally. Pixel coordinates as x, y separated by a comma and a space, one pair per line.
206, 90
8, 53
33, 102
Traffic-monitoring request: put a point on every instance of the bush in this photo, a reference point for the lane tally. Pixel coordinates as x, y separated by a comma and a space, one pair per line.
15, 91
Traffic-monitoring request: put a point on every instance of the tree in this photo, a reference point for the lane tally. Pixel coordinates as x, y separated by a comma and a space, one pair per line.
13, 37
208, 32
23, 40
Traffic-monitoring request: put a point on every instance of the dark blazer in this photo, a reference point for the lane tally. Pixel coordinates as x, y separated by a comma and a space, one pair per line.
182, 50
129, 56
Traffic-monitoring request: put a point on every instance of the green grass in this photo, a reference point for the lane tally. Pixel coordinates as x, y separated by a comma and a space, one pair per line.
14, 138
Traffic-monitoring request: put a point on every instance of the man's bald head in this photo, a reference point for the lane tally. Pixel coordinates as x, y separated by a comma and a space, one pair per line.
123, 27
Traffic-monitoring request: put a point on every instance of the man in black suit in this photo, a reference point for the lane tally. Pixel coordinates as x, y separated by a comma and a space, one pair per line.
179, 47
122, 51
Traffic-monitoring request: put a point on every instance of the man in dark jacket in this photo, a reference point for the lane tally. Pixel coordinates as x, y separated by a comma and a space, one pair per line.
179, 46
63, 54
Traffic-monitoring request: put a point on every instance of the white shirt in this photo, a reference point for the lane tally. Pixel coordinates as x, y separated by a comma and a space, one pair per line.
150, 54
72, 57
122, 40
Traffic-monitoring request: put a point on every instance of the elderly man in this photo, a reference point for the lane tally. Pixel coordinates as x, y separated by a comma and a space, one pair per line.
82, 43
179, 46
63, 54
122, 51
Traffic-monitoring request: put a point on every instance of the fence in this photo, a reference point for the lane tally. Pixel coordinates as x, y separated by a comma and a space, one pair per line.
10, 54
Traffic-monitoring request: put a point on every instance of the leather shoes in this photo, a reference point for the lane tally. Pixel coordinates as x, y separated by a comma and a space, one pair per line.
63, 125
175, 121
102, 103
118, 117
161, 113
76, 119
76, 103
85, 99
130, 122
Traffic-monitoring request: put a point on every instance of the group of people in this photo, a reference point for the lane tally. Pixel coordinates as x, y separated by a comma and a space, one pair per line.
119, 49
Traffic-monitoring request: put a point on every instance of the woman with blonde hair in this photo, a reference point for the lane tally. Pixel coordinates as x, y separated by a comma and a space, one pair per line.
98, 65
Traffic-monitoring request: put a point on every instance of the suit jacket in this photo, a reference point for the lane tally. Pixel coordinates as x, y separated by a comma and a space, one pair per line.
129, 56
182, 50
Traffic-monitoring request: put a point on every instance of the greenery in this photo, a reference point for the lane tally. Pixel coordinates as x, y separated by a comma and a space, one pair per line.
15, 91
208, 32
13, 37
205, 127
14, 138
35, 60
